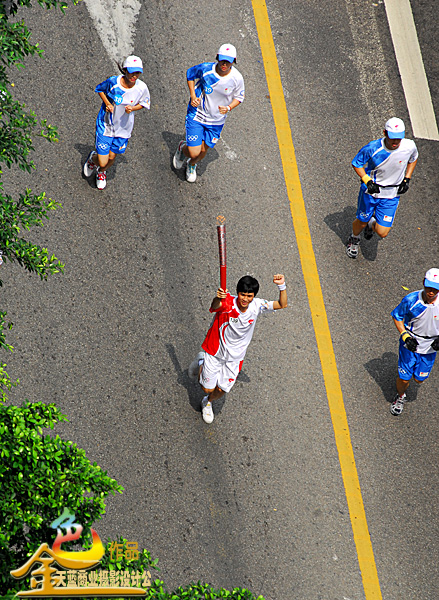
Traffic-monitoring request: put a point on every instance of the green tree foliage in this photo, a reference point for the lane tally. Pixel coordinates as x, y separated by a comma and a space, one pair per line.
17, 126
39, 476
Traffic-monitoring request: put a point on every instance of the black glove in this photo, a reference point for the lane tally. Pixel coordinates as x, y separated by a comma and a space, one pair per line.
410, 342
404, 185
435, 345
372, 187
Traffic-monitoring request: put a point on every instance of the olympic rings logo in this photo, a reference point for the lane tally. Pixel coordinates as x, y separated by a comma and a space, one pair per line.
118, 99
102, 146
208, 90
192, 138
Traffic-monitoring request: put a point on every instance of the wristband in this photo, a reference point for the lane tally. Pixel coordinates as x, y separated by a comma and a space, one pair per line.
406, 334
282, 286
366, 178
228, 107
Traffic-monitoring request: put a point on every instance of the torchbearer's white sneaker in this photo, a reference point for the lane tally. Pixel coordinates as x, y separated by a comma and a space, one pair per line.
89, 165
179, 157
194, 367
207, 410
191, 172
101, 179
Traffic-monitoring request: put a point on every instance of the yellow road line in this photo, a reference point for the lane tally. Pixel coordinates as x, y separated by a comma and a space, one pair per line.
351, 482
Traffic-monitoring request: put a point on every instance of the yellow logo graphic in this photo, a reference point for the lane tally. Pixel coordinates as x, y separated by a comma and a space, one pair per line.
75, 581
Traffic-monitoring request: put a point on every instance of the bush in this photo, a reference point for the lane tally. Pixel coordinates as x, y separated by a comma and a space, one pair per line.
39, 476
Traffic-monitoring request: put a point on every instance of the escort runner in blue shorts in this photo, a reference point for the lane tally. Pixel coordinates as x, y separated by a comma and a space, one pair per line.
417, 319
385, 167
215, 90
122, 96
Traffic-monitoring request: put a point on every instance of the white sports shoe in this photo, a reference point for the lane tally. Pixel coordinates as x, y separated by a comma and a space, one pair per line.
194, 367
352, 246
179, 157
207, 410
101, 179
89, 165
191, 172
397, 405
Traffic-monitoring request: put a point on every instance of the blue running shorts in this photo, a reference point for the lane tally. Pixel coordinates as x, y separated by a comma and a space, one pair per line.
105, 144
196, 133
384, 208
412, 364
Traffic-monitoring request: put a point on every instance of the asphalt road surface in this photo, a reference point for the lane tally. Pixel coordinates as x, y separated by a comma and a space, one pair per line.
256, 499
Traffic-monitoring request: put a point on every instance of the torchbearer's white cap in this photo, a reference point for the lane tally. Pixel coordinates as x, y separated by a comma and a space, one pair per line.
133, 64
432, 279
395, 128
227, 52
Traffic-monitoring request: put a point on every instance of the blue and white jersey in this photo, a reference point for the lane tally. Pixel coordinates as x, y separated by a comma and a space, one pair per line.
119, 123
386, 167
214, 91
420, 319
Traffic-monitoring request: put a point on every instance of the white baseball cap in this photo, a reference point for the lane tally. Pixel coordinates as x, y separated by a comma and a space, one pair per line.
227, 52
395, 128
432, 279
133, 64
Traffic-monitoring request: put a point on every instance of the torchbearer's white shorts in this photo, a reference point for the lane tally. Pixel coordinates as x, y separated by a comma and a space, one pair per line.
219, 372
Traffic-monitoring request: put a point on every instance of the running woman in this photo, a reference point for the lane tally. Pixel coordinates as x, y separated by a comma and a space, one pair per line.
417, 320
121, 96
228, 338
215, 89
385, 167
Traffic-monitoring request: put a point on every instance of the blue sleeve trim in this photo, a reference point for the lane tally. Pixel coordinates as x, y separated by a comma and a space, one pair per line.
106, 85
409, 308
365, 153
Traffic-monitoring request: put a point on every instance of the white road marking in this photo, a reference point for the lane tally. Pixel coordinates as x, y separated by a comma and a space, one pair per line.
411, 67
115, 23
230, 154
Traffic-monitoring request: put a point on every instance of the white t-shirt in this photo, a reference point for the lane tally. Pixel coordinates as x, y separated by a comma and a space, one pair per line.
232, 330
119, 123
214, 91
386, 167
420, 318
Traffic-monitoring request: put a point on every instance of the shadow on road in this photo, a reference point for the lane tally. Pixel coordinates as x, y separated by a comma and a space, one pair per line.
192, 388
172, 140
384, 371
341, 224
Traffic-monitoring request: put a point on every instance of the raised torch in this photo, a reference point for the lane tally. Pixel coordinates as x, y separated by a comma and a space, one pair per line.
221, 229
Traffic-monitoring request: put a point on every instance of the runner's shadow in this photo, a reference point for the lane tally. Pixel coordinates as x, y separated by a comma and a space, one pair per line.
193, 389
384, 371
84, 150
172, 140
341, 224
369, 248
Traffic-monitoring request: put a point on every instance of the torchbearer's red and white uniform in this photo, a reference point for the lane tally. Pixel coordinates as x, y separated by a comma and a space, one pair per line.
227, 341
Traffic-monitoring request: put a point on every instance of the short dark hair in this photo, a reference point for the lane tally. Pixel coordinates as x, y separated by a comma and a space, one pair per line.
247, 285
